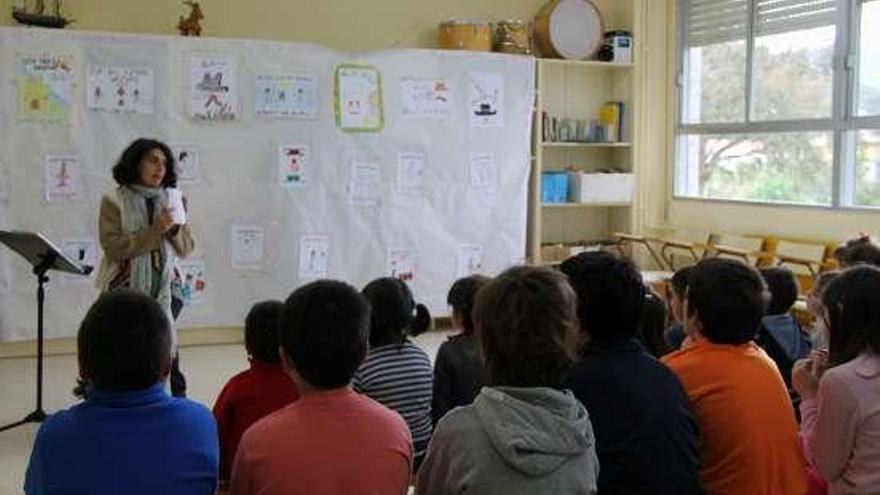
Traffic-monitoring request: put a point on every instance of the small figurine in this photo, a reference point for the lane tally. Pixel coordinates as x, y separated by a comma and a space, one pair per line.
190, 26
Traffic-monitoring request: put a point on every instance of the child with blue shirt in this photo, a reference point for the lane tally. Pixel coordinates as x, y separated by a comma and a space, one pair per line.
780, 335
128, 436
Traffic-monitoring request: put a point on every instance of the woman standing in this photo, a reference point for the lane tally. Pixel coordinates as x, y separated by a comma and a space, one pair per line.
140, 240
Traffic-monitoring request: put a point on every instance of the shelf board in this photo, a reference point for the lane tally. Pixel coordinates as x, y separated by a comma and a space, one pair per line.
586, 64
565, 144
586, 205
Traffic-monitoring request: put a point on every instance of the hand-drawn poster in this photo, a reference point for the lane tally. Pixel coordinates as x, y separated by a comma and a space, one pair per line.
62, 177
45, 87
247, 247
293, 163
314, 256
286, 96
469, 260
484, 171
358, 98
486, 99
410, 170
120, 89
192, 274
425, 98
213, 91
365, 183
401, 264
186, 158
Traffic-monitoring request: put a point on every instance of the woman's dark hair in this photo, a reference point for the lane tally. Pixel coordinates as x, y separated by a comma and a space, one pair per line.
783, 289
461, 297
679, 282
526, 320
395, 314
652, 327
124, 342
127, 170
730, 299
858, 251
852, 300
324, 330
610, 295
261, 331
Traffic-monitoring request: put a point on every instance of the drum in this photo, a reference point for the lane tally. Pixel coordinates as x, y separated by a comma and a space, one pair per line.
512, 36
571, 29
466, 35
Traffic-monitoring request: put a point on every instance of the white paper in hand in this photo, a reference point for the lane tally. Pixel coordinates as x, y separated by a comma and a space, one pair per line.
174, 204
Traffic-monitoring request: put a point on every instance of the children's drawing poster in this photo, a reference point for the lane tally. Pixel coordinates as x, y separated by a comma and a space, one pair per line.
484, 172
469, 260
401, 264
314, 256
120, 89
358, 98
246, 247
62, 178
192, 278
84, 251
293, 162
365, 183
425, 98
186, 161
486, 99
410, 170
213, 91
45, 87
286, 96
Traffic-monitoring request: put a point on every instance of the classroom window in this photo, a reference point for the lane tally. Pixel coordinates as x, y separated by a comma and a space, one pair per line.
774, 96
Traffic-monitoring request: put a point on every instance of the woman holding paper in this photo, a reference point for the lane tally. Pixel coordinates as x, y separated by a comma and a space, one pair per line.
143, 231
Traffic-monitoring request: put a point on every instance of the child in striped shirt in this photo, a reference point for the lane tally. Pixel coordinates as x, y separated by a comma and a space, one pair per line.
397, 373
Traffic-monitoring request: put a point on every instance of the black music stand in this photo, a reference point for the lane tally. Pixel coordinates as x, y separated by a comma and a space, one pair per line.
43, 256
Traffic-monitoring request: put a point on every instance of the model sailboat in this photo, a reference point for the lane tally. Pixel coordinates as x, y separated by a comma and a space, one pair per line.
38, 16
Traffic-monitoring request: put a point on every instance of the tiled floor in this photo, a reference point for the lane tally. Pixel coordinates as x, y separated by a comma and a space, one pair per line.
207, 368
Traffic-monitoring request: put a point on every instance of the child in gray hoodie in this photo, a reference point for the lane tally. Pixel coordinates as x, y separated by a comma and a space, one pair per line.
522, 435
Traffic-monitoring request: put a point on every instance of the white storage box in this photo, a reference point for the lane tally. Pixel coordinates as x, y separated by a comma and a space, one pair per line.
601, 188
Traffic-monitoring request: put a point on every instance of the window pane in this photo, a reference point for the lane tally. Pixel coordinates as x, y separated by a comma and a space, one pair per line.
790, 167
868, 168
869, 60
793, 75
715, 83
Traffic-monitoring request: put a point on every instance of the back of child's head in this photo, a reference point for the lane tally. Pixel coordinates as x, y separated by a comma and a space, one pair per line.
729, 299
783, 288
124, 343
324, 331
652, 327
610, 295
394, 313
261, 331
679, 282
461, 298
859, 251
852, 301
526, 321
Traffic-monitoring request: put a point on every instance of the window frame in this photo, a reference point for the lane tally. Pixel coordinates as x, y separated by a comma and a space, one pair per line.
843, 124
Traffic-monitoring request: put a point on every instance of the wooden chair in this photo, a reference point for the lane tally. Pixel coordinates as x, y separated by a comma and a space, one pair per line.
624, 244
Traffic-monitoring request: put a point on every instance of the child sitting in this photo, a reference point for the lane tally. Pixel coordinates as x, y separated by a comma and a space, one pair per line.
780, 335
128, 436
675, 294
459, 371
253, 394
859, 251
818, 333
397, 373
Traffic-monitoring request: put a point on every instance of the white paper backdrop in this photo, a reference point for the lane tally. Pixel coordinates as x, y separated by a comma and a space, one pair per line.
464, 200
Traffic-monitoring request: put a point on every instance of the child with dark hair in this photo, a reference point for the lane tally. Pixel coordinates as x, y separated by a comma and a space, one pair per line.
128, 436
459, 370
818, 333
652, 326
261, 390
331, 440
639, 411
858, 251
675, 294
397, 373
841, 389
522, 435
748, 435
780, 335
